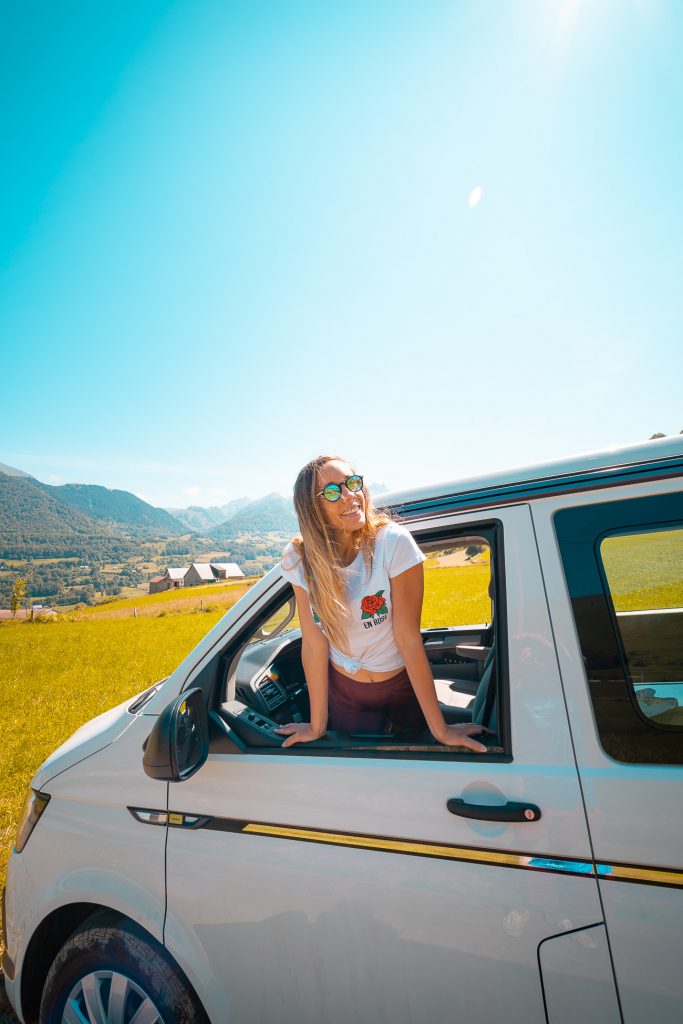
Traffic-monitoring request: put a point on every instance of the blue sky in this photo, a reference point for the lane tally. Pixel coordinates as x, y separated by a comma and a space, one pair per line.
233, 236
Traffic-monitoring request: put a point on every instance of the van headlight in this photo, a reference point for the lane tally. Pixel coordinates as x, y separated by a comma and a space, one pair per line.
34, 805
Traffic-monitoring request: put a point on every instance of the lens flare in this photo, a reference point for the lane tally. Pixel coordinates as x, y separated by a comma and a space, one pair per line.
475, 196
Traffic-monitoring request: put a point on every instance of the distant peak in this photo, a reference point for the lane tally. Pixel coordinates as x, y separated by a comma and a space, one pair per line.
11, 471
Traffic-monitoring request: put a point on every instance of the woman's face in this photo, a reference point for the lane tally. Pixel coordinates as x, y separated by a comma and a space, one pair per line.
347, 514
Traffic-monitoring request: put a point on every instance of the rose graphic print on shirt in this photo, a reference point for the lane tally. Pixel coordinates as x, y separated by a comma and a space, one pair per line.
374, 609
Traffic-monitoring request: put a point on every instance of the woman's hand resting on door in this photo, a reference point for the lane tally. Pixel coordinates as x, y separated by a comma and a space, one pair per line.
460, 736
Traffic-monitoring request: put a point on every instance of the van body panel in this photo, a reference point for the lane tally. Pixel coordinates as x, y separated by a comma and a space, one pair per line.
22, 916
300, 931
463, 923
578, 981
646, 937
88, 740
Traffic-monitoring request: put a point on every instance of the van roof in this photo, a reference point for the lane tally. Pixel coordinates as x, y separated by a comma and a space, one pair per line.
664, 455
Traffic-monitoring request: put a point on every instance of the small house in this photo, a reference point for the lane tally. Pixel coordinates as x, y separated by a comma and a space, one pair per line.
176, 577
159, 583
227, 571
198, 573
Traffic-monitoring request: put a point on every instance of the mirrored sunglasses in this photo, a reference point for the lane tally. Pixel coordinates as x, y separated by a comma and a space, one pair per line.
333, 492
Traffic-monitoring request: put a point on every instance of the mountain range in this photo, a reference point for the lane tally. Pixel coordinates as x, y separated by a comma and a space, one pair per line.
198, 519
271, 514
38, 519
44, 520
83, 542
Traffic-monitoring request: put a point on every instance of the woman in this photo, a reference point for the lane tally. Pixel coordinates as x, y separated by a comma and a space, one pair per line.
362, 650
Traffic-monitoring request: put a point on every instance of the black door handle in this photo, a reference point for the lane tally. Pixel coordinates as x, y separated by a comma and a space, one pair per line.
501, 812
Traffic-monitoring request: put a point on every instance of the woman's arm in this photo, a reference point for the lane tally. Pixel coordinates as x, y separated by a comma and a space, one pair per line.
407, 591
315, 653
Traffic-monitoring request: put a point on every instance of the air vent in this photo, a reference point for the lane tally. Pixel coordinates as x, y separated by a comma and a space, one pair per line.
272, 693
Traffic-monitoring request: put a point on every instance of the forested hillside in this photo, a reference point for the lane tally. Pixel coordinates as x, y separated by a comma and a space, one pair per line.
69, 556
120, 507
33, 523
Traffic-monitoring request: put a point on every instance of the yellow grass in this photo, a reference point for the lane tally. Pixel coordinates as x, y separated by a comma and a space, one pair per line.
456, 595
184, 599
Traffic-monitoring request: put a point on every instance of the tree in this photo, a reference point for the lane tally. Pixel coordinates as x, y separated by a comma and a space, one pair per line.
18, 595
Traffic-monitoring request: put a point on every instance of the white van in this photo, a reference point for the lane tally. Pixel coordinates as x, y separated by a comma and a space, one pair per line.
385, 879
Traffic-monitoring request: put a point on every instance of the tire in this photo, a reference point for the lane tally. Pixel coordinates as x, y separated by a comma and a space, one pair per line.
109, 971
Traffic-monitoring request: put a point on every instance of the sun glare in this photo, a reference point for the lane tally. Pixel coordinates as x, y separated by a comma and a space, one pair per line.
566, 15
569, 12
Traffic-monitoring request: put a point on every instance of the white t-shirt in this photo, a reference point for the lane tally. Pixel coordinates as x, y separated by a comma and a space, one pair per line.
370, 632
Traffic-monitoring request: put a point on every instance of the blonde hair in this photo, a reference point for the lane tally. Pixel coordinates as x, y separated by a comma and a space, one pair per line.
319, 553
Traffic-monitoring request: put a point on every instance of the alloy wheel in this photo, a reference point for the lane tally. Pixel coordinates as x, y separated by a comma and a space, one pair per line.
108, 997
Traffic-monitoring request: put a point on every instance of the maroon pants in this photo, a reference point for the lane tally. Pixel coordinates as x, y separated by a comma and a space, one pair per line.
373, 707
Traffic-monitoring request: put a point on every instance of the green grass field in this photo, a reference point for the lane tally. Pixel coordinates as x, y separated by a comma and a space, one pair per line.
56, 675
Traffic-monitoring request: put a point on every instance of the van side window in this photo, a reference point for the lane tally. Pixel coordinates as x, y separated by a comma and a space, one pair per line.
623, 564
644, 577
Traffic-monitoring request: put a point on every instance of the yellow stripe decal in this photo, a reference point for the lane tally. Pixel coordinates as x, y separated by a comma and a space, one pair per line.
393, 845
655, 876
618, 872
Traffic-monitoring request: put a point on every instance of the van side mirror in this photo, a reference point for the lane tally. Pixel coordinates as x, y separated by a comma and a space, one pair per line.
178, 745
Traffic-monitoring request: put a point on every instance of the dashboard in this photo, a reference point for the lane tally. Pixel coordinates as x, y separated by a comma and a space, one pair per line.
271, 681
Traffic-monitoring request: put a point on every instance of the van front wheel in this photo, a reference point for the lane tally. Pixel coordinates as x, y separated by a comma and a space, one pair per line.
111, 970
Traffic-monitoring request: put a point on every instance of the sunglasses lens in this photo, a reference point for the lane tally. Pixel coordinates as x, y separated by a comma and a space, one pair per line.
354, 483
332, 492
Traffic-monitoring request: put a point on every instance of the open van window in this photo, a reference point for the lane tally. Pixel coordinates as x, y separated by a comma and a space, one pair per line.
263, 683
